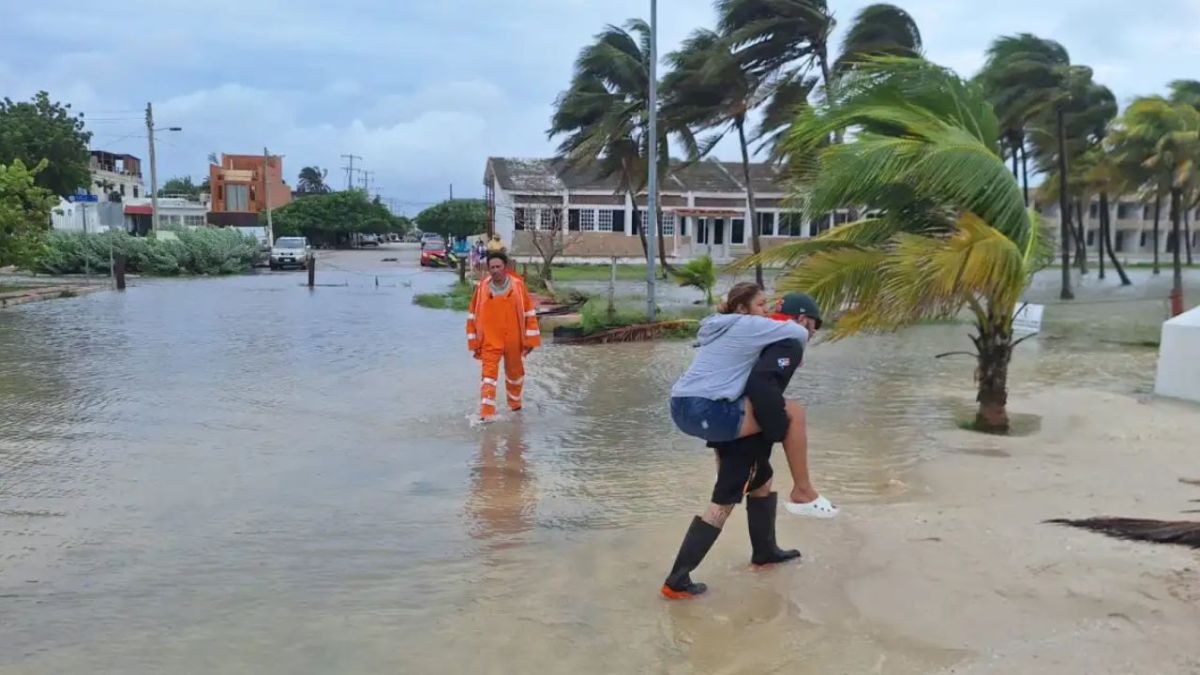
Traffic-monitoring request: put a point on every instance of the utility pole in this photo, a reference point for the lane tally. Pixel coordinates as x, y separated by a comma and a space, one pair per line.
267, 196
153, 172
652, 169
350, 169
154, 168
452, 192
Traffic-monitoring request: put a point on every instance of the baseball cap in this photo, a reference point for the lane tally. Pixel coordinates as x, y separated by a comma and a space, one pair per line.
800, 304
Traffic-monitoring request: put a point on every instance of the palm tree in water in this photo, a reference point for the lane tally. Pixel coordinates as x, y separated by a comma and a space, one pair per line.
951, 229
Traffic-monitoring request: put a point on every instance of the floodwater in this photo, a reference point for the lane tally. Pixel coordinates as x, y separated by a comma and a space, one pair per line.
242, 475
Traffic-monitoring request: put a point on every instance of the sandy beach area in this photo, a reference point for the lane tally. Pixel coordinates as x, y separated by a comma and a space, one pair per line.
956, 574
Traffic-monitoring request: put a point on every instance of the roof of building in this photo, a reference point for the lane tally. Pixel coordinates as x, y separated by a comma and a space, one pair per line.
555, 175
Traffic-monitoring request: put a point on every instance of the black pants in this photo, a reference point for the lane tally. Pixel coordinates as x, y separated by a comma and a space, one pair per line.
744, 465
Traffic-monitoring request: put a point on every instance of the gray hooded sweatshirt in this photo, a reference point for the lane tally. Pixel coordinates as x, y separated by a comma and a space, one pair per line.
728, 346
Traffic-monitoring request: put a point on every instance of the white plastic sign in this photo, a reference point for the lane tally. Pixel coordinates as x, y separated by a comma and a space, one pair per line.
1028, 319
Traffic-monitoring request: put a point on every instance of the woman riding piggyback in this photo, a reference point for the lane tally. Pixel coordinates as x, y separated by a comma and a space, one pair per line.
707, 401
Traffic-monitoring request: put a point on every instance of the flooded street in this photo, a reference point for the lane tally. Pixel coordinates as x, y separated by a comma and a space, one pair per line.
242, 475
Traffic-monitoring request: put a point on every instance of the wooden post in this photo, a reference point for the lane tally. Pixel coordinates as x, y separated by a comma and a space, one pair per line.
312, 270
612, 287
119, 271
462, 270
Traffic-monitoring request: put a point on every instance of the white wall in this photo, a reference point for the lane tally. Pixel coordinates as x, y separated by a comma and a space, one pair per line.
1179, 358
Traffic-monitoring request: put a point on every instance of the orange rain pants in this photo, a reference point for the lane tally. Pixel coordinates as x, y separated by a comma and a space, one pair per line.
502, 333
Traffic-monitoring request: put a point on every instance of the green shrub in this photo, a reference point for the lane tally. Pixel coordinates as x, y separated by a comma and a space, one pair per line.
198, 251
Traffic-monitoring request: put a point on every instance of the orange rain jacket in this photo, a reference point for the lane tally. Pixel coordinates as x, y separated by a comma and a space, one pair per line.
531, 336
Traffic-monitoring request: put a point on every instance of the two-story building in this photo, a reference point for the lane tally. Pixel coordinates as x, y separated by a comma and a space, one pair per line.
240, 186
704, 205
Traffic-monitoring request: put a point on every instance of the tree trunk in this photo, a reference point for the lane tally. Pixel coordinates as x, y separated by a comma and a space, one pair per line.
1112, 255
1016, 166
641, 230
1101, 234
662, 246
755, 244
1176, 259
1064, 211
1025, 173
1080, 238
1187, 233
830, 86
1157, 212
994, 349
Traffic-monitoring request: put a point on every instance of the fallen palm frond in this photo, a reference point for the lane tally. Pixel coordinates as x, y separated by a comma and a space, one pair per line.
1179, 532
635, 333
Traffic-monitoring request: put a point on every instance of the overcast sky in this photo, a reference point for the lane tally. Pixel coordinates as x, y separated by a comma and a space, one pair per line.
425, 90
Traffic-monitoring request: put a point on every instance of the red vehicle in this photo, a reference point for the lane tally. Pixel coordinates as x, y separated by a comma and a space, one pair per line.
434, 253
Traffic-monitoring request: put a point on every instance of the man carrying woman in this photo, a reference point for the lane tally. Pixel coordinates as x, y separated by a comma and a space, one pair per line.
732, 397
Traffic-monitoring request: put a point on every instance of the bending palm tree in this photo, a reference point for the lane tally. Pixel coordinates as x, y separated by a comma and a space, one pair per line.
1025, 76
1164, 138
954, 231
312, 180
603, 115
709, 88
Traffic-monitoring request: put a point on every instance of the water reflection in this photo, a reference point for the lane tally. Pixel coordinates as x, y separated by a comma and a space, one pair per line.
502, 499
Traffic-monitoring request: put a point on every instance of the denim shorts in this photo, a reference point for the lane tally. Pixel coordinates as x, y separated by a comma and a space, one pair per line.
706, 419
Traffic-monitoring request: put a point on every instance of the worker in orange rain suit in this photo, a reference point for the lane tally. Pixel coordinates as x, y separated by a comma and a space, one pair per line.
501, 323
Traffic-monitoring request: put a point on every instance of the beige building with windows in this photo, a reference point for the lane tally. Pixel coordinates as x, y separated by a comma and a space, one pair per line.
1132, 225
704, 206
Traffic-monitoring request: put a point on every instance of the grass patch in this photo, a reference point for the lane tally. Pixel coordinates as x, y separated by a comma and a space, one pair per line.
580, 272
11, 288
458, 298
594, 318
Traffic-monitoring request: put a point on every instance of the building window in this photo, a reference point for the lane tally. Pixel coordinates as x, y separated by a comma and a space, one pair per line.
791, 224
668, 224
819, 225
701, 230
122, 186
135, 191
1091, 238
841, 218
737, 231
237, 198
604, 220
1142, 241
587, 221
1120, 241
1125, 210
1093, 210
618, 221
766, 224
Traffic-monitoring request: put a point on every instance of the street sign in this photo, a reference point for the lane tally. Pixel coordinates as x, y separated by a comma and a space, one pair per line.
83, 198
1028, 319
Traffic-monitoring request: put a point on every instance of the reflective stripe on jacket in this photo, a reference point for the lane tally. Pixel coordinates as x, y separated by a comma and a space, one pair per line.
525, 308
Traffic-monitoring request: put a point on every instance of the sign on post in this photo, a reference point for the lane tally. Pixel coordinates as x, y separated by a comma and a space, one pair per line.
83, 198
1028, 319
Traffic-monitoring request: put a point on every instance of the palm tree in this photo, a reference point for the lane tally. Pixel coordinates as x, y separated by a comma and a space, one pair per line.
953, 230
708, 88
701, 274
312, 180
1164, 138
602, 116
1024, 76
786, 39
1187, 92
1087, 109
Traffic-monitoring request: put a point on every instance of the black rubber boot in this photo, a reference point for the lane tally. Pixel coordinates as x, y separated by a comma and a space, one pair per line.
760, 516
696, 543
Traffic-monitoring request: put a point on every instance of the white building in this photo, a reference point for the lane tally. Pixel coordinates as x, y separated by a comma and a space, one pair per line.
1132, 225
115, 177
173, 212
705, 210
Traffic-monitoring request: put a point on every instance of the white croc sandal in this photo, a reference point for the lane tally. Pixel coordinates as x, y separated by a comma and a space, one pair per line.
817, 508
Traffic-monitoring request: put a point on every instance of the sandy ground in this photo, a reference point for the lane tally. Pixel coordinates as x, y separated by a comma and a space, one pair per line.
972, 568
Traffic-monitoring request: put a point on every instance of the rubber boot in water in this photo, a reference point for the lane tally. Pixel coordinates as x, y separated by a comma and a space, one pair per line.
760, 516
696, 543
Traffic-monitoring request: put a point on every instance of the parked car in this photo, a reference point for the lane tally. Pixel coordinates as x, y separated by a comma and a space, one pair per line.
433, 252
290, 252
368, 240
431, 236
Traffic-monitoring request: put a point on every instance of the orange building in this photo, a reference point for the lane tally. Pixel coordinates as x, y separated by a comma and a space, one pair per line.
239, 186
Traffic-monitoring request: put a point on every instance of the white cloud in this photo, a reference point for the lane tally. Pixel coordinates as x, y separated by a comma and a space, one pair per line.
426, 90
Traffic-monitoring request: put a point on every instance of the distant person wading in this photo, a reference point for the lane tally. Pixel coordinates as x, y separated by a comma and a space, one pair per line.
501, 324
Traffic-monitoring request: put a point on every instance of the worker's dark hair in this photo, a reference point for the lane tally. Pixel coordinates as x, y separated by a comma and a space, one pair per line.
497, 254
739, 297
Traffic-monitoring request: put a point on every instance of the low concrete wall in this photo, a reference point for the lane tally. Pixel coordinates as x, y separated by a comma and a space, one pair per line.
1179, 358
